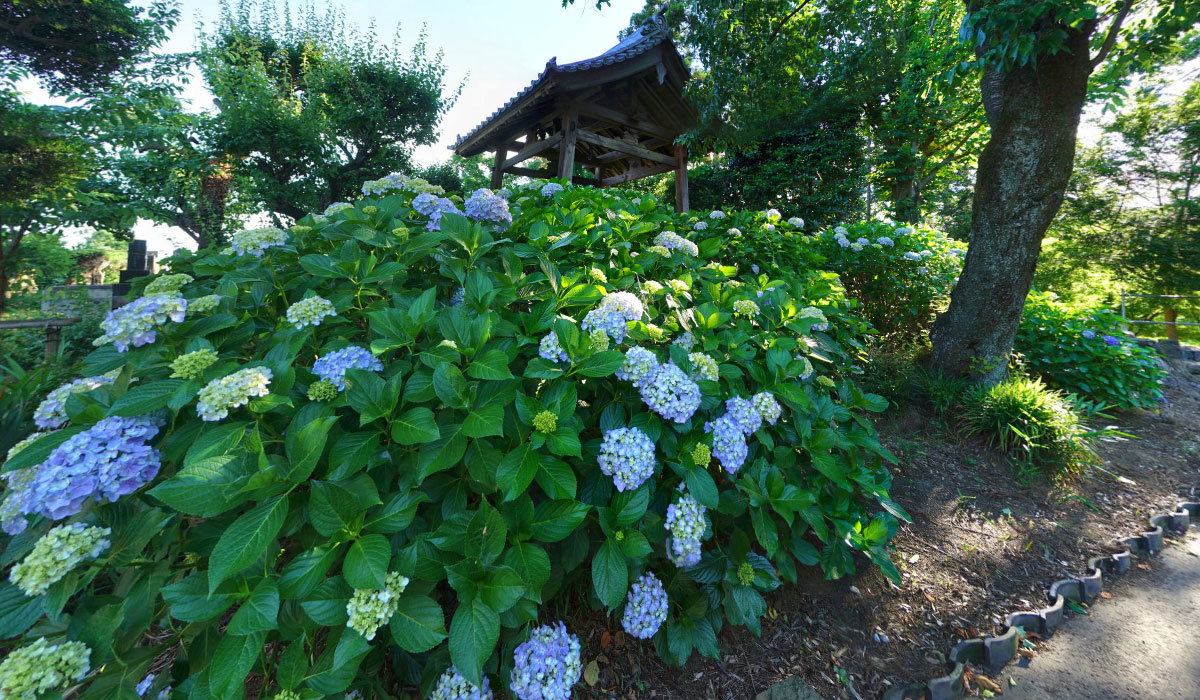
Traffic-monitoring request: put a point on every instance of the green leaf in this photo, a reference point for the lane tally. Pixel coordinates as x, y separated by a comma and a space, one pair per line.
490, 364
189, 599
554, 520
702, 487
259, 612
304, 446
541, 368
370, 395
474, 632
516, 470
215, 441
564, 441
486, 534
144, 398
450, 385
601, 364
610, 574
232, 661
205, 488
532, 564
18, 611
556, 478
366, 564
418, 625
483, 421
292, 664
415, 426
38, 450
246, 540
396, 514
304, 573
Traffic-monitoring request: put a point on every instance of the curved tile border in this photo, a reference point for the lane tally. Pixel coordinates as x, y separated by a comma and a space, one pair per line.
993, 652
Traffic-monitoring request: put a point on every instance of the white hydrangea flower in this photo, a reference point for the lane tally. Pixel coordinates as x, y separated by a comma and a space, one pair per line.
310, 311
256, 240
232, 391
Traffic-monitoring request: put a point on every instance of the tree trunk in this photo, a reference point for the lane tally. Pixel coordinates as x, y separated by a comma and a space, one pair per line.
3, 288
1023, 171
1170, 316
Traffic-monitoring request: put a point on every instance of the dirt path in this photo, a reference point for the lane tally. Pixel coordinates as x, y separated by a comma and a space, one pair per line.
1139, 644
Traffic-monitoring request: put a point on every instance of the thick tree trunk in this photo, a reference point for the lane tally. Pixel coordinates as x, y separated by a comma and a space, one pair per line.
1023, 172
1170, 316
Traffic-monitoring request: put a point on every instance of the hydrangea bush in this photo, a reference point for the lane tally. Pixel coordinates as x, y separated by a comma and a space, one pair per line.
480, 420
1084, 351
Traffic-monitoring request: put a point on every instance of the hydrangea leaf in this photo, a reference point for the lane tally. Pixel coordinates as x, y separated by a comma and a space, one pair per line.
245, 540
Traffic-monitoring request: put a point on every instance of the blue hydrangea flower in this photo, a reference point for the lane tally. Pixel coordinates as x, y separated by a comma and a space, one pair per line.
452, 686
143, 685
729, 442
383, 185
685, 529
638, 363
458, 296
716, 215
674, 242
615, 310
332, 366
107, 461
912, 255
670, 393
52, 413
796, 222
1110, 340
433, 206
627, 455
309, 312
550, 349
884, 240
743, 413
685, 340
221, 395
135, 324
255, 241
767, 406
842, 241
1088, 334
645, 607
773, 215
482, 205
904, 230
822, 323
548, 665
704, 366
550, 189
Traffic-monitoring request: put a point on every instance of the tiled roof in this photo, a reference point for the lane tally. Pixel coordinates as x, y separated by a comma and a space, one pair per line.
639, 42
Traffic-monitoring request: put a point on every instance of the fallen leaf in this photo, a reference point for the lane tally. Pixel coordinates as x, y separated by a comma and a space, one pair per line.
988, 684
605, 639
591, 672
1105, 595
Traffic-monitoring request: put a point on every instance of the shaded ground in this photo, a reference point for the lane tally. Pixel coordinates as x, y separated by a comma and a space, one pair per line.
981, 545
1140, 643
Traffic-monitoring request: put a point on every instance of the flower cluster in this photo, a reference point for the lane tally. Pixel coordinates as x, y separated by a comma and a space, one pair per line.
773, 215
679, 286
371, 609
232, 391
598, 340
700, 226
550, 189
745, 307
796, 222
597, 275
204, 304
808, 367
17, 483
547, 665
106, 461
685, 525
685, 340
56, 553
143, 685
1110, 341
822, 323
743, 414
458, 296
885, 241
545, 422
337, 207
826, 382
652, 287
729, 442
309, 312
52, 413
166, 285
550, 349
767, 406
705, 366
483, 205
645, 607
383, 185
452, 686
134, 324
673, 241
638, 363
627, 455
1088, 335
332, 366
432, 206
716, 215
701, 454
191, 365
256, 240
912, 255
29, 671
616, 309
323, 390
669, 393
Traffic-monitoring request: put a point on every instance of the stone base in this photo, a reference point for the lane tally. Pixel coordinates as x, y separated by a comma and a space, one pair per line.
791, 688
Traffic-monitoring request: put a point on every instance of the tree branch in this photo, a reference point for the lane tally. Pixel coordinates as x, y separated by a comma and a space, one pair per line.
785, 20
1113, 30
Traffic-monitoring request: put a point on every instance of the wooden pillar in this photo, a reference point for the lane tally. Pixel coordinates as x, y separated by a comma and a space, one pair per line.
497, 168
53, 337
681, 183
566, 149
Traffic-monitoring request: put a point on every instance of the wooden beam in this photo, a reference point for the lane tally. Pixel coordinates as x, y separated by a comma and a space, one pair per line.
625, 147
635, 174
531, 172
532, 150
681, 182
566, 149
498, 169
611, 115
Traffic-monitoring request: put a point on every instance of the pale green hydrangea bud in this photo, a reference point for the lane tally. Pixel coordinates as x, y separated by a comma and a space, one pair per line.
597, 275
705, 366
598, 339
41, 667
323, 390
204, 304
659, 250
370, 210
545, 422
56, 553
745, 307
656, 333
193, 364
679, 286
825, 381
166, 285
301, 229
370, 609
619, 536
745, 574
651, 287
701, 454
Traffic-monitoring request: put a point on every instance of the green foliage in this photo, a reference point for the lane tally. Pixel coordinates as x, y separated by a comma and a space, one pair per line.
900, 287
442, 467
1034, 425
1052, 340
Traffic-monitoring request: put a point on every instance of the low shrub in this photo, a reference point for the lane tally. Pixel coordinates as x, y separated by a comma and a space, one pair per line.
1036, 426
303, 455
1084, 351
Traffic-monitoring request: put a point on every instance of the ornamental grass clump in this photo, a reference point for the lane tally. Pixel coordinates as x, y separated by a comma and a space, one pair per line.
504, 419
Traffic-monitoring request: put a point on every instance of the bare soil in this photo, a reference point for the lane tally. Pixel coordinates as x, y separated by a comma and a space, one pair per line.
981, 545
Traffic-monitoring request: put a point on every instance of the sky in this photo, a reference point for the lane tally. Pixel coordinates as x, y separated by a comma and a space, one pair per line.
497, 46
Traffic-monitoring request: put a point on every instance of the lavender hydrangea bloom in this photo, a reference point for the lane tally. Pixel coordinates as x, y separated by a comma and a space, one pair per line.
843, 242
550, 189
645, 607
669, 392
673, 241
134, 324
143, 685
611, 316
547, 665
912, 255
332, 366
685, 340
452, 686
107, 461
482, 205
1111, 341
1088, 334
550, 349
729, 442
685, 527
743, 413
627, 455
51, 412
638, 363
433, 206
